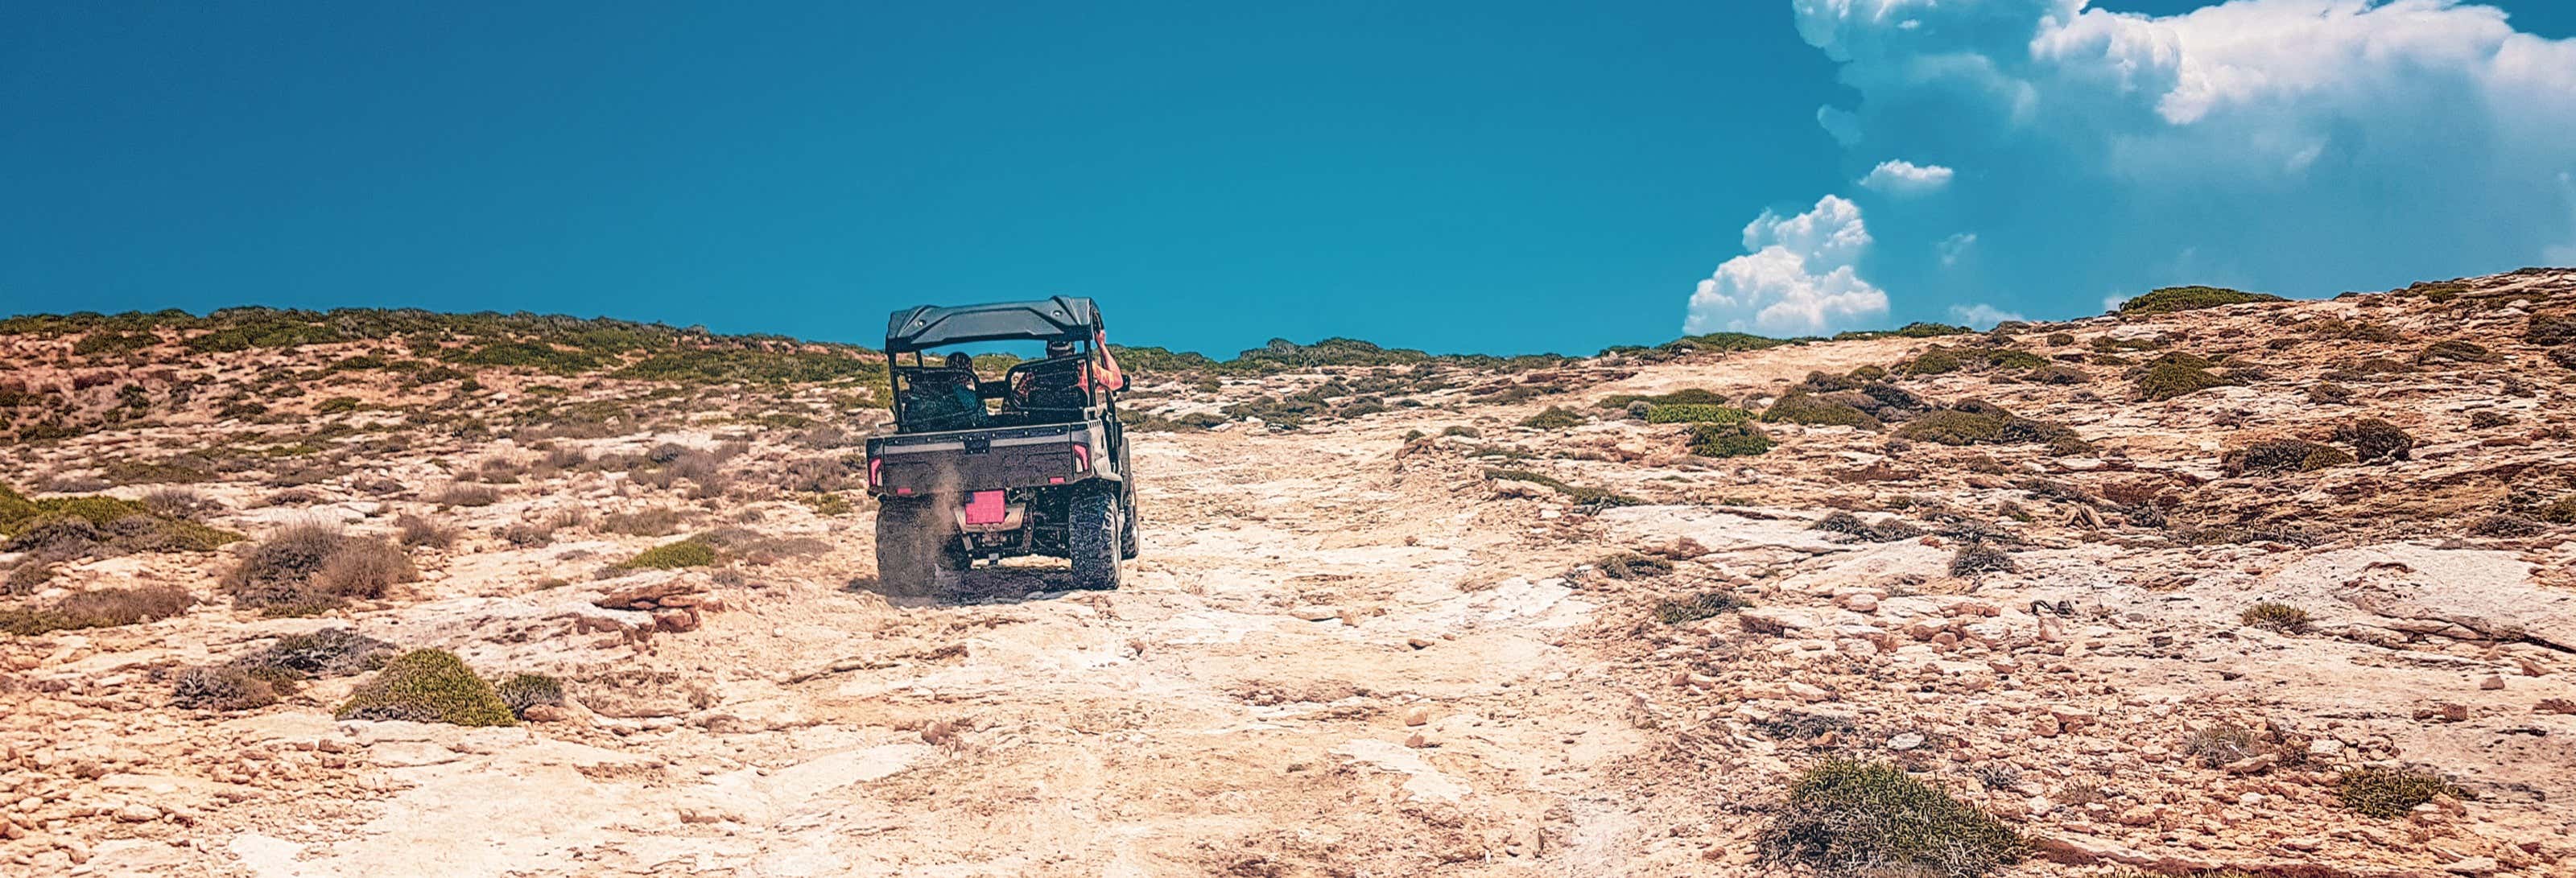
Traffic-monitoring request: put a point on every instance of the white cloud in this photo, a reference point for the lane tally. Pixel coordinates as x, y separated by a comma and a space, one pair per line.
1981, 315
1798, 277
2112, 302
1901, 177
2307, 146
1954, 248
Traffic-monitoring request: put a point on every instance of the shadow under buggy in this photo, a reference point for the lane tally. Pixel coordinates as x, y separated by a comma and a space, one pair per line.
1032, 462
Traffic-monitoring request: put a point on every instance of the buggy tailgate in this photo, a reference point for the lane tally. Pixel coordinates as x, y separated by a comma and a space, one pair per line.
979, 460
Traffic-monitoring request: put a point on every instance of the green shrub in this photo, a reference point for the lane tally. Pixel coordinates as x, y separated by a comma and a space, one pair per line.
2167, 378
2167, 300
523, 691
1853, 818
121, 524
330, 652
2390, 792
2276, 616
2217, 744
1555, 418
1462, 431
336, 405
427, 685
1703, 605
2060, 339
1801, 407
1847, 523
2281, 455
1935, 360
669, 556
1696, 413
1976, 558
2562, 511
1728, 440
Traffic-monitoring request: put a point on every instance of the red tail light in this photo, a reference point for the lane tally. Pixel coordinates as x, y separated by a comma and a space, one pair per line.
1082, 458
876, 471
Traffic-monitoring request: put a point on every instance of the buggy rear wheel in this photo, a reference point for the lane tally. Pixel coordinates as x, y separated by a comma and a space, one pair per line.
1096, 518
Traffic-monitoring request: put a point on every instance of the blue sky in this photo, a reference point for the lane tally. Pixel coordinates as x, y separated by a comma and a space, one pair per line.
1492, 176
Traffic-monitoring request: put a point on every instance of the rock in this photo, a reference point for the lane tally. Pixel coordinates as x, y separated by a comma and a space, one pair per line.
1417, 715
1860, 602
2324, 748
2491, 682
1906, 741
676, 620
648, 587
1315, 613
138, 813
2252, 765
1809, 692
2479, 866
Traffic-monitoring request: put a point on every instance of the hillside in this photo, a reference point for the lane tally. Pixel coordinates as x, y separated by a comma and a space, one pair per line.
2214, 582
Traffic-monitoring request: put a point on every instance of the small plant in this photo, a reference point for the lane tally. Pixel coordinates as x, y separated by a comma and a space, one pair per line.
2167, 300
427, 685
523, 691
2374, 440
2560, 511
1630, 565
1703, 605
310, 567
1728, 440
657, 521
1979, 558
2217, 744
1685, 396
2276, 617
671, 556
1556, 417
1462, 431
1847, 817
2390, 792
330, 652
2329, 393
465, 495
1977, 422
2550, 329
417, 531
221, 688
1847, 523
2167, 378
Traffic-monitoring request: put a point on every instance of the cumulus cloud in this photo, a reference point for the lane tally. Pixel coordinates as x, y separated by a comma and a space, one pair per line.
2307, 146
1798, 276
1980, 315
1901, 177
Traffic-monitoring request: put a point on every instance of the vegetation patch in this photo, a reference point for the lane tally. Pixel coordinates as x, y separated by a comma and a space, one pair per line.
2391, 792
1977, 422
2374, 440
222, 688
523, 691
2550, 329
1554, 418
2166, 300
1728, 440
2173, 375
1703, 605
1580, 494
1855, 818
1696, 413
304, 569
2217, 744
73, 527
103, 608
2276, 617
2281, 455
1889, 531
671, 556
1684, 396
2455, 350
1631, 565
1975, 558
427, 686
1801, 407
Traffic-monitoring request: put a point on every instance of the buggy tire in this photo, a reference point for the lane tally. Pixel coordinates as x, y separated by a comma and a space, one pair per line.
913, 537
1127, 544
1094, 522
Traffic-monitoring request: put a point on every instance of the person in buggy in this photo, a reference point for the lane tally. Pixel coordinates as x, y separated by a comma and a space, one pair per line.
1062, 381
949, 399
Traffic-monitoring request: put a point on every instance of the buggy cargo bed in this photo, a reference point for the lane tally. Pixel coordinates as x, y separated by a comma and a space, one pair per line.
983, 459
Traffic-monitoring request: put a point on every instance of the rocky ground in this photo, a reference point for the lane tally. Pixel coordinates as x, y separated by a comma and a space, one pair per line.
1464, 619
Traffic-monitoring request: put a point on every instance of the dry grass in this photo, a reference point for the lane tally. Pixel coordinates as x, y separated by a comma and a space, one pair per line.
417, 531
103, 608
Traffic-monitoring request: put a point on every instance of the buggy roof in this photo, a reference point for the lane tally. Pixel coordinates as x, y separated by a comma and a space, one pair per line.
1059, 318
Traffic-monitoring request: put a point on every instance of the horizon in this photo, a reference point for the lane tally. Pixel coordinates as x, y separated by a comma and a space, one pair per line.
1485, 180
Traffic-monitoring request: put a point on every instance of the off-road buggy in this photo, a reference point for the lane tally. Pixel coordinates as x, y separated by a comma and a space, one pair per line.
1031, 463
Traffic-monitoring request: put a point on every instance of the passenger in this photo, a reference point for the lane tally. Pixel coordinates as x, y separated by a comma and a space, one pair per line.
948, 399
1052, 384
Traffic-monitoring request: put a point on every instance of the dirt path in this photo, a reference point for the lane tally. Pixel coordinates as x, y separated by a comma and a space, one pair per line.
1320, 666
